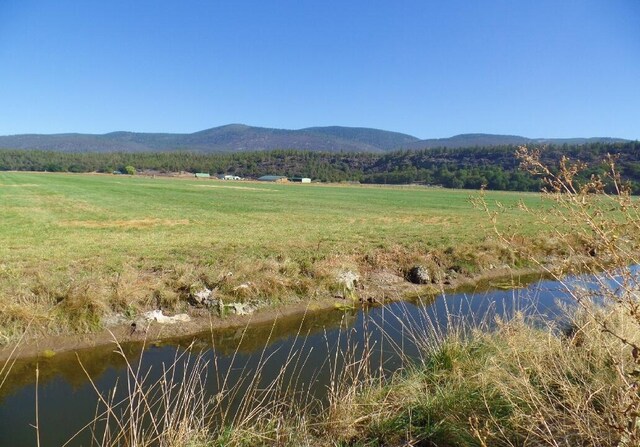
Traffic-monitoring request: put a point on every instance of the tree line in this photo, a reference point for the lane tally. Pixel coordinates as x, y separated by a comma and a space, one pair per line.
493, 167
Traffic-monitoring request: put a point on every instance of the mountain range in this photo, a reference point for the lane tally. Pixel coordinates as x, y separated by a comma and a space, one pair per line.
242, 138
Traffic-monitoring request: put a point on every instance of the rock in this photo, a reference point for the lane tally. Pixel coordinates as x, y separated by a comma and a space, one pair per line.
204, 298
237, 308
241, 308
348, 280
157, 315
419, 275
202, 295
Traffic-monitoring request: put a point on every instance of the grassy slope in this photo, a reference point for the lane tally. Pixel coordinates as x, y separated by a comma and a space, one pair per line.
92, 244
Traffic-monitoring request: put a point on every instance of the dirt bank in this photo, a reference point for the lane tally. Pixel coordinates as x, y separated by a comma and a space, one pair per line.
375, 289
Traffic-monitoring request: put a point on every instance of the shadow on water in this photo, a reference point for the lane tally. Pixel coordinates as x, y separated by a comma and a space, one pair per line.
312, 344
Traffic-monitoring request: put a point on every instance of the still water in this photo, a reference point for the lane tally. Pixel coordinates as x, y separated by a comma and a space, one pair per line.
312, 344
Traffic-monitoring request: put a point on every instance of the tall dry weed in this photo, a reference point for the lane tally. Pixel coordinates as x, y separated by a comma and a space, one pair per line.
595, 222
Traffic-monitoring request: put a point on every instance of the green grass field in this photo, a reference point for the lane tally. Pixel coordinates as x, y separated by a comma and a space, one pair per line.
76, 247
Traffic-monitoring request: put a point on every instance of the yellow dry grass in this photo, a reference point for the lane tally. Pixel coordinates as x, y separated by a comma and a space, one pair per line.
135, 223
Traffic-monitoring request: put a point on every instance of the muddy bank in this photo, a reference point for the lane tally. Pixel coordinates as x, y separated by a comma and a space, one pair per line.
375, 288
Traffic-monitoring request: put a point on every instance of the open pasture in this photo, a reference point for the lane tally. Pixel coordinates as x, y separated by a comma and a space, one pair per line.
74, 248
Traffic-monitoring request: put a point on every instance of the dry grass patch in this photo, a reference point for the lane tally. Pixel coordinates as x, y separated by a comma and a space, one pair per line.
123, 224
243, 188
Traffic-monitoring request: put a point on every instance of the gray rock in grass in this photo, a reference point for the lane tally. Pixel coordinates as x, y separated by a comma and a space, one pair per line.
348, 280
419, 275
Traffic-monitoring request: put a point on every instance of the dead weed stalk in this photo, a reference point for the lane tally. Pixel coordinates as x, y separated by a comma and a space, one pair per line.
597, 222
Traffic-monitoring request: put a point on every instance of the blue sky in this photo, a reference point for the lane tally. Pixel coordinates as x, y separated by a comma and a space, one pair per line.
538, 68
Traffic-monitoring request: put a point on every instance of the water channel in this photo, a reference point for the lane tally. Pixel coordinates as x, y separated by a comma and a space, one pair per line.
390, 334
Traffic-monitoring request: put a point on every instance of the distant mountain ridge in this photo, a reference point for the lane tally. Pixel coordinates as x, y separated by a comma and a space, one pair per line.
243, 138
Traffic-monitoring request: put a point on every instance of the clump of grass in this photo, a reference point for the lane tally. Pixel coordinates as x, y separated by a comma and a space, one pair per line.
516, 385
20, 313
80, 305
130, 290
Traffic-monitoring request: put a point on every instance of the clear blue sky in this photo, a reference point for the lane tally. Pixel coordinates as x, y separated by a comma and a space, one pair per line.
535, 68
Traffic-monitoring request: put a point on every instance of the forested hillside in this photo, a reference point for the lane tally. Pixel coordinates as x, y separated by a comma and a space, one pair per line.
239, 138
224, 139
495, 167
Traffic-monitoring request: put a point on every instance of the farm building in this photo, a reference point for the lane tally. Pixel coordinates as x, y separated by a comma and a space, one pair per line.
202, 175
300, 179
273, 178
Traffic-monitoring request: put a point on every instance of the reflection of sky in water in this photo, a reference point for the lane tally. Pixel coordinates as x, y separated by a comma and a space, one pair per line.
389, 334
